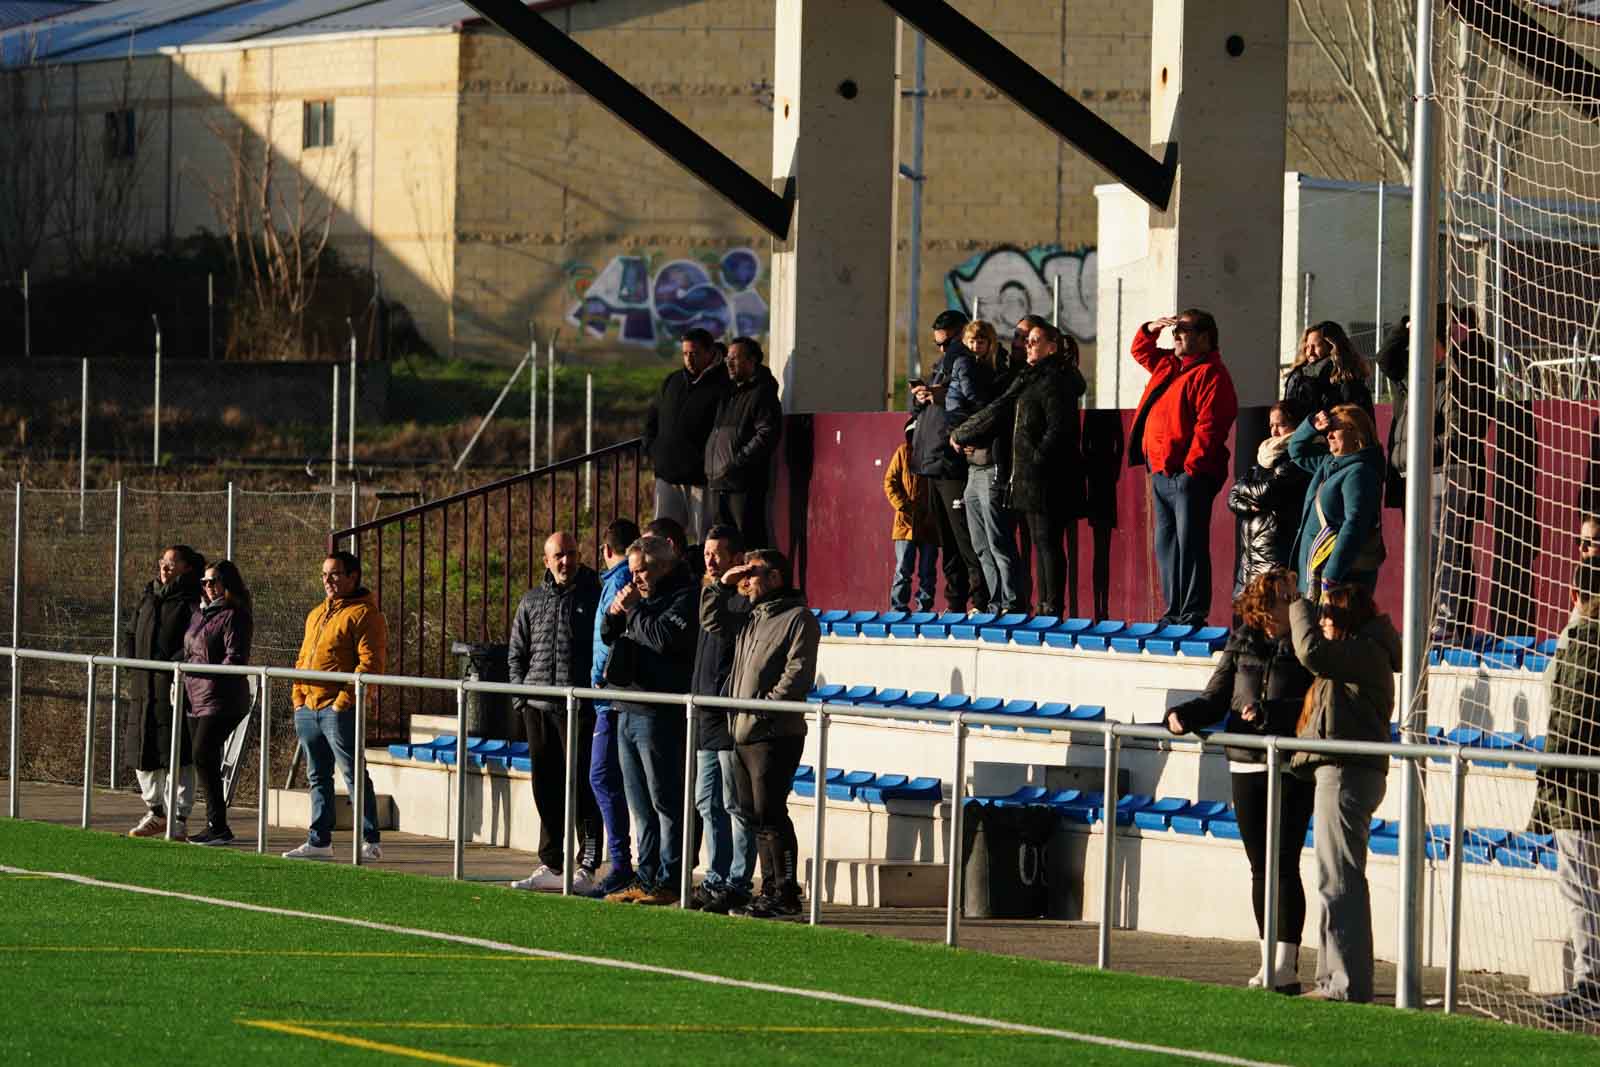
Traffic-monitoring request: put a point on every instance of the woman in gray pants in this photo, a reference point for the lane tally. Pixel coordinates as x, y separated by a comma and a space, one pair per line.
1352, 653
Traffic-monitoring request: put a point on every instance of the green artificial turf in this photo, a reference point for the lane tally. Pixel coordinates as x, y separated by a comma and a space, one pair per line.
102, 975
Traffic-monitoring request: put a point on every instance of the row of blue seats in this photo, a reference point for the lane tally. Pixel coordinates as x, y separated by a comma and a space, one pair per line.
481, 752
1112, 635
866, 696
1477, 737
1497, 654
1215, 818
867, 786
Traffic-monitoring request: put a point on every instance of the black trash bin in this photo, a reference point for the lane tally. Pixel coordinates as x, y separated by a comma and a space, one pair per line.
1003, 861
488, 714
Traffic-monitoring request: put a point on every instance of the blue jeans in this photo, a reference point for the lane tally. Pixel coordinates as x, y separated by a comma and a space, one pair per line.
329, 737
994, 539
1182, 505
650, 749
729, 842
605, 778
921, 557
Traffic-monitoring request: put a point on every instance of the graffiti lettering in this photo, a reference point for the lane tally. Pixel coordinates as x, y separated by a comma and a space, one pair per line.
714, 291
1007, 283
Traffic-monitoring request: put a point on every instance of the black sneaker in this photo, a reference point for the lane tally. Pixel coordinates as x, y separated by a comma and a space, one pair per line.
784, 904
725, 900
702, 895
751, 905
210, 836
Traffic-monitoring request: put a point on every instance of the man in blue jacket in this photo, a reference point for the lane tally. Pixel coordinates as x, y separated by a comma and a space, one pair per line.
605, 773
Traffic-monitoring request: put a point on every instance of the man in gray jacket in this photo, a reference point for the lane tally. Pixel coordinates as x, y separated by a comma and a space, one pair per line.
774, 658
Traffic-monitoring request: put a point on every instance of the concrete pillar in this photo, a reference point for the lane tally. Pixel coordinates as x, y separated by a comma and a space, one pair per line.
1218, 89
833, 130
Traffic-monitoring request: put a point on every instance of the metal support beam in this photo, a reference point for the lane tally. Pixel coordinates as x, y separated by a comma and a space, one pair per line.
648, 119
994, 63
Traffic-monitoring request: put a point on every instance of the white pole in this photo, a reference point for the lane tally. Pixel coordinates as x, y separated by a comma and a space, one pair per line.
211, 315
355, 505
227, 546
116, 634
27, 318
1305, 302
155, 460
1499, 260
16, 664
550, 401
1419, 465
1055, 301
83, 442
350, 454
919, 94
333, 449
1116, 353
1378, 378
588, 442
533, 404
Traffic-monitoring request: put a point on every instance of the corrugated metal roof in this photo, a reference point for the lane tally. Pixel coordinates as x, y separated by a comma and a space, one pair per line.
138, 27
18, 12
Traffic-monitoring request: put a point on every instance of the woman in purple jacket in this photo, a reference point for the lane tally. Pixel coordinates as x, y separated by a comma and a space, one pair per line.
219, 632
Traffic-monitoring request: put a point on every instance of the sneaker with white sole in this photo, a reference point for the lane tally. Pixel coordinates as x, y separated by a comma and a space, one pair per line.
371, 852
584, 881
152, 825
543, 880
308, 851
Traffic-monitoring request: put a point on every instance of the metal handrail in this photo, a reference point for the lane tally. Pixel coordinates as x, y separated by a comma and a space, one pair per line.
1111, 733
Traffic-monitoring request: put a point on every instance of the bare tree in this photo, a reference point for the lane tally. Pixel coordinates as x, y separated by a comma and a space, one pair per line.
276, 217
1370, 48
109, 157
33, 163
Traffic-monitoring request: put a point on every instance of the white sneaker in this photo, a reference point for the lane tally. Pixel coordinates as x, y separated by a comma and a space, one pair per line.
584, 882
308, 851
371, 852
542, 879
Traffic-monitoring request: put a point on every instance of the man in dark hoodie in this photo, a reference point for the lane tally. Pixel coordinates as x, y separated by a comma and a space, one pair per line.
676, 428
156, 633
774, 658
552, 643
652, 627
743, 439
731, 858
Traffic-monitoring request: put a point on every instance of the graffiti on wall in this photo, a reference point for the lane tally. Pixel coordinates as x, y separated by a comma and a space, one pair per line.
1007, 283
654, 301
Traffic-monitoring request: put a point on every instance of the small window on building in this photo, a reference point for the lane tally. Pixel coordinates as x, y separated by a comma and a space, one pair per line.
122, 134
317, 129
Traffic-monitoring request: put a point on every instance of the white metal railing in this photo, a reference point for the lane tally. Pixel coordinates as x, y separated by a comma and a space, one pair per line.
1111, 733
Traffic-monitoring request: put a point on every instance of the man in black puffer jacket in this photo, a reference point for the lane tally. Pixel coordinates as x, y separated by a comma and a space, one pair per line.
552, 643
676, 428
743, 438
156, 633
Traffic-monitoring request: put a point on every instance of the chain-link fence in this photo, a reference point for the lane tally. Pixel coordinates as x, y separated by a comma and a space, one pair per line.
77, 595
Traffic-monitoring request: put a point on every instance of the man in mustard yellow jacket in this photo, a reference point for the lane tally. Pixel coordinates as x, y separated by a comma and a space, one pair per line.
345, 633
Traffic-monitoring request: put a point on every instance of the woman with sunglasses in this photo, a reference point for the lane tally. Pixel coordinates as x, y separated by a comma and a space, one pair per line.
219, 632
1341, 536
1352, 653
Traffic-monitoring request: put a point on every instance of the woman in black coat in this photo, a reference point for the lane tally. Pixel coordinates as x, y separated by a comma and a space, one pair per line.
1045, 483
1259, 686
1268, 499
156, 632
1328, 371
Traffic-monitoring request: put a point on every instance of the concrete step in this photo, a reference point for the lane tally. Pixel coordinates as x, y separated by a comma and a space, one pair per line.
876, 883
292, 807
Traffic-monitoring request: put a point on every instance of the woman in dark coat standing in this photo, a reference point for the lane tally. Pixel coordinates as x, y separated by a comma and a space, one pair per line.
220, 631
1267, 500
1340, 539
1259, 686
1328, 371
1045, 483
156, 633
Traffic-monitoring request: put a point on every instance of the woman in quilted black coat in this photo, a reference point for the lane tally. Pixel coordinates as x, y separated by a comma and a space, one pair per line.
1268, 498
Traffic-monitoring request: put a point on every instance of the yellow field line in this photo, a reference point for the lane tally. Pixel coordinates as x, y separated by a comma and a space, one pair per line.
289, 952
363, 1043
675, 1028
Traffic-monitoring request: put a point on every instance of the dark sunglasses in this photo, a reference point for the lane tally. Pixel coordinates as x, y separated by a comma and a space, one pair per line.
211, 581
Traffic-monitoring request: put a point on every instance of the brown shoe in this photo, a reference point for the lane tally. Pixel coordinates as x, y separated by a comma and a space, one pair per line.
661, 897
632, 893
152, 825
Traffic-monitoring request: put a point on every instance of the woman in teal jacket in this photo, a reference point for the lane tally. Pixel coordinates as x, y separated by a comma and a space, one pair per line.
1340, 449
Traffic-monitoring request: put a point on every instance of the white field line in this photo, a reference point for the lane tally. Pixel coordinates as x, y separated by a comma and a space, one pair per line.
671, 972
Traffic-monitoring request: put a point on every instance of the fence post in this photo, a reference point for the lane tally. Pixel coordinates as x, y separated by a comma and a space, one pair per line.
958, 789
350, 454
550, 400
819, 816
333, 447
458, 858
155, 460
686, 881
1458, 801
116, 641
211, 315
1108, 870
355, 507
1378, 377
88, 750
16, 664
227, 545
27, 318
569, 796
1270, 902
175, 750
533, 404
588, 443
83, 442
263, 764
358, 777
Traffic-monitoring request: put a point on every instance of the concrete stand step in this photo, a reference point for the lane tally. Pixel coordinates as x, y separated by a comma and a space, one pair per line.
292, 807
873, 883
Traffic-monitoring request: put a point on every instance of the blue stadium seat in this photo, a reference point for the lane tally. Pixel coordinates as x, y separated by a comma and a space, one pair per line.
1032, 632
1461, 657
844, 787
1019, 708
1520, 858
1165, 641
939, 628
804, 773
856, 694
1225, 825
503, 759
1158, 815
1096, 637
952, 702
1028, 794
400, 751
879, 627
1507, 653
872, 792
1535, 661
1131, 638
828, 618
922, 698
1549, 859
1065, 633
986, 705
927, 789
807, 787
884, 698
1054, 709
824, 692
999, 631
967, 629
1063, 796
1083, 808
1503, 740
428, 751
908, 626
850, 625
1546, 647
1484, 837
1205, 641
1130, 804
1197, 817
1087, 713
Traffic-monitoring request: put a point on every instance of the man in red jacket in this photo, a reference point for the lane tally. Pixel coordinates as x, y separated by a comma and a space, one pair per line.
1181, 434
